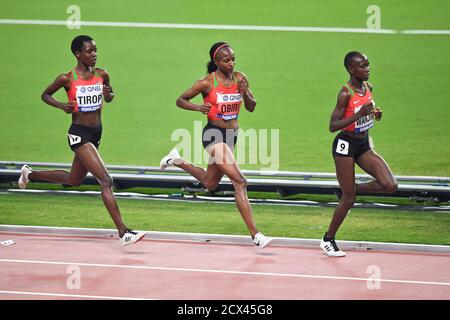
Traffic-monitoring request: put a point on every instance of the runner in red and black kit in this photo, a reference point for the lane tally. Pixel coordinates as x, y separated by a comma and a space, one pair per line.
223, 91
86, 88
354, 115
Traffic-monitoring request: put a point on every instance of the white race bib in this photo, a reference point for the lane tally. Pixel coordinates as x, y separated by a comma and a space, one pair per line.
89, 97
364, 123
228, 105
342, 147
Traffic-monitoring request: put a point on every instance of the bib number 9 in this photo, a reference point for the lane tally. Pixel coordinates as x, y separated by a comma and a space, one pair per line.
342, 147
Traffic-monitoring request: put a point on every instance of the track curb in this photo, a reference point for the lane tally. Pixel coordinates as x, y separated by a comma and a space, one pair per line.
231, 239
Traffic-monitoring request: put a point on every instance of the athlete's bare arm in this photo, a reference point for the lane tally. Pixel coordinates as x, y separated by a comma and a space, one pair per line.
202, 86
244, 89
377, 112
108, 92
62, 81
336, 121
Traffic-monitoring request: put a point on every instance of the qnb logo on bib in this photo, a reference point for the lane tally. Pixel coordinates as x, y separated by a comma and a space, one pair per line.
89, 97
364, 123
229, 97
228, 105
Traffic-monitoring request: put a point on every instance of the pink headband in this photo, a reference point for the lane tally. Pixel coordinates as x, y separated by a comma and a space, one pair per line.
220, 47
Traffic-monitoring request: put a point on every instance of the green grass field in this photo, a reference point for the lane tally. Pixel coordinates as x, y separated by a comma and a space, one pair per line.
295, 77
364, 225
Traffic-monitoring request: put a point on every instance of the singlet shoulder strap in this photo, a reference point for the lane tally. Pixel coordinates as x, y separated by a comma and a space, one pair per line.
350, 89
233, 75
96, 74
367, 86
75, 74
216, 83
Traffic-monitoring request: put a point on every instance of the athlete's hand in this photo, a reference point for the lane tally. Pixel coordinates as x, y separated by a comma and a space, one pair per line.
366, 109
204, 108
242, 86
377, 112
68, 107
107, 90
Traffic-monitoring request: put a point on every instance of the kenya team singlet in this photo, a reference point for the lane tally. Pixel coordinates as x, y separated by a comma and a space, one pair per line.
225, 101
354, 105
87, 95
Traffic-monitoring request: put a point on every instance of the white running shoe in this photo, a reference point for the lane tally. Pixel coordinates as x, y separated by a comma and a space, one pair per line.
131, 237
23, 180
331, 249
261, 240
168, 160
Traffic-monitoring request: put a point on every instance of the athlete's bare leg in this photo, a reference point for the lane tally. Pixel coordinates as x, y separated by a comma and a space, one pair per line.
89, 157
224, 160
345, 172
210, 177
374, 164
73, 178
224, 163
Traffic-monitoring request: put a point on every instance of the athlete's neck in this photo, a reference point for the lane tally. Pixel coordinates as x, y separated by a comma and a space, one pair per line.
356, 83
224, 75
84, 70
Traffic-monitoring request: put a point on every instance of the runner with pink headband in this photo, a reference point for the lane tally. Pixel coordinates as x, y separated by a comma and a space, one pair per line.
217, 50
224, 90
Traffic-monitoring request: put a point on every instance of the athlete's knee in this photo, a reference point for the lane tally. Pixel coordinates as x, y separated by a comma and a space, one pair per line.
390, 186
75, 182
211, 185
348, 199
106, 181
240, 182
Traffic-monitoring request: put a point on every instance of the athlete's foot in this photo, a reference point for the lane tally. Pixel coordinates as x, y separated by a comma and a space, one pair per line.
261, 240
130, 237
168, 160
24, 173
330, 247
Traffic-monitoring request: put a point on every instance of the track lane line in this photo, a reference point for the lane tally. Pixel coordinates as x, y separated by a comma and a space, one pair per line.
269, 274
68, 295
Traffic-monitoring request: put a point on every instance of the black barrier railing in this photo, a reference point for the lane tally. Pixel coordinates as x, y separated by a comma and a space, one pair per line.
285, 183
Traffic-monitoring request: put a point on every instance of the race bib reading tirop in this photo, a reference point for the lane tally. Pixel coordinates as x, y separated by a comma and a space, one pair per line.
228, 105
364, 123
89, 97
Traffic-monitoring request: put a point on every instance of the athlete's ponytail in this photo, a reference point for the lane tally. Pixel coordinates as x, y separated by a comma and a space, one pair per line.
211, 65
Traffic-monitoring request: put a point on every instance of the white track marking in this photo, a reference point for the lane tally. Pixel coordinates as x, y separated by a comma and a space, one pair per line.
197, 26
437, 32
67, 295
225, 272
222, 27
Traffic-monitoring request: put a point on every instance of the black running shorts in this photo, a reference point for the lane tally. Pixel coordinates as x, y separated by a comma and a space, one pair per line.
345, 146
213, 134
79, 135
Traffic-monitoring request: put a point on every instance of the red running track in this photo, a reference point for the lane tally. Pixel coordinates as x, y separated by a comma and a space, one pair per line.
76, 267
